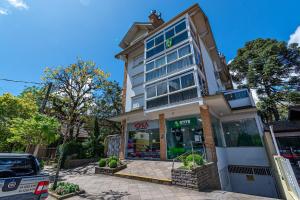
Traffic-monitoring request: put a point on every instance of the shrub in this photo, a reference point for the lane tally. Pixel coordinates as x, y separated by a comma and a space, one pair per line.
102, 162
113, 164
188, 162
113, 158
42, 164
66, 188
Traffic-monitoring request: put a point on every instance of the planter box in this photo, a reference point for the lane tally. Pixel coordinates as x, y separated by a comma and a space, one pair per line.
109, 171
200, 178
56, 196
72, 163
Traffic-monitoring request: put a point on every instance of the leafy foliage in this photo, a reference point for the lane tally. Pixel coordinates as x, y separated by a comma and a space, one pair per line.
113, 164
270, 67
193, 160
66, 188
102, 162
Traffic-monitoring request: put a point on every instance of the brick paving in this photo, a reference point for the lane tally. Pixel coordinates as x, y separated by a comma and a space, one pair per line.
104, 187
153, 169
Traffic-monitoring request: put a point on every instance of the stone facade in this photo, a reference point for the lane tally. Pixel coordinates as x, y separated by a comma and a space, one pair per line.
200, 178
122, 142
113, 145
162, 135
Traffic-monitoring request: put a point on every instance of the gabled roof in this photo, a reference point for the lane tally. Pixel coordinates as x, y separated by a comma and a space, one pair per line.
131, 33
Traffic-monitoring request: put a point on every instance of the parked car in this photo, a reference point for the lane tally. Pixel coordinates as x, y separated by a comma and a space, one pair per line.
292, 154
21, 178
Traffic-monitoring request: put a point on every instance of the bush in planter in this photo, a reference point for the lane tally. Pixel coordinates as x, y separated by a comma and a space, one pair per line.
102, 162
113, 158
113, 164
66, 188
188, 161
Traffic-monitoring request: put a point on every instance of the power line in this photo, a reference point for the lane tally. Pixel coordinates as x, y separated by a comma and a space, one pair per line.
18, 81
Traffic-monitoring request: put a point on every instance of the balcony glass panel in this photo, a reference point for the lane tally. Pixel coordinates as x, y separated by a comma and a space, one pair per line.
151, 92
169, 34
174, 85
179, 38
162, 89
187, 81
184, 51
160, 62
172, 56
157, 102
184, 95
180, 27
155, 50
150, 66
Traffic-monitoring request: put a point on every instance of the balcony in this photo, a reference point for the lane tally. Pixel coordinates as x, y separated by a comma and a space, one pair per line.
239, 99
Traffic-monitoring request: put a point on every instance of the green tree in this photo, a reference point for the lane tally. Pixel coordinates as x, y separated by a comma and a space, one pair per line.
75, 89
13, 107
36, 130
268, 66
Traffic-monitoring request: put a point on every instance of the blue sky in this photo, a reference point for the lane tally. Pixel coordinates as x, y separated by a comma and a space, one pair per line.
35, 34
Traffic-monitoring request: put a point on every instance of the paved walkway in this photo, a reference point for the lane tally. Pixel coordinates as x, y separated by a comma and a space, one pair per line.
147, 168
104, 187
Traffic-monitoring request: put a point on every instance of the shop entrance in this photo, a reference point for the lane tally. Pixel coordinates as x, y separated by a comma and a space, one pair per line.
183, 135
143, 141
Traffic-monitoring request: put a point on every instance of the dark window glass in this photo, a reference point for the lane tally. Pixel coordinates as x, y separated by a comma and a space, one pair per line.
184, 95
13, 167
179, 38
180, 27
187, 80
241, 133
156, 73
162, 89
155, 50
172, 56
174, 85
150, 66
170, 33
159, 39
151, 92
157, 102
184, 51
160, 62
237, 95
150, 44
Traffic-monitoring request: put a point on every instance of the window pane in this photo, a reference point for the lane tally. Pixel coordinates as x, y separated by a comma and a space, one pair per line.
174, 85
179, 38
185, 62
150, 44
151, 92
169, 33
187, 80
150, 66
241, 133
159, 39
184, 51
160, 62
162, 89
172, 56
155, 50
183, 96
180, 27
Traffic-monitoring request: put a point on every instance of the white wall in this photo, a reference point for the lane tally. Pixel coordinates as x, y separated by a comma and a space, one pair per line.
223, 168
255, 156
209, 70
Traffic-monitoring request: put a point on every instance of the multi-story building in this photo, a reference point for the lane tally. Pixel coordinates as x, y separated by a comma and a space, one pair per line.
178, 96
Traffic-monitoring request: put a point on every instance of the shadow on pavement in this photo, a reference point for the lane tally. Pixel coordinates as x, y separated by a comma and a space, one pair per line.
111, 195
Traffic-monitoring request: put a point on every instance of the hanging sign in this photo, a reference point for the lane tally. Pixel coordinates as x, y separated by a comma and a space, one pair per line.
141, 125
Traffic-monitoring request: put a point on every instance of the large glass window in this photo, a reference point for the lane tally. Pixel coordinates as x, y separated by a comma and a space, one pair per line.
217, 132
180, 27
241, 133
184, 51
174, 85
182, 135
150, 66
179, 38
237, 95
184, 95
160, 101
172, 56
160, 62
143, 144
155, 50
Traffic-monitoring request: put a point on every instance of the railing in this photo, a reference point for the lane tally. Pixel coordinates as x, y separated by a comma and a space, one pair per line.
287, 175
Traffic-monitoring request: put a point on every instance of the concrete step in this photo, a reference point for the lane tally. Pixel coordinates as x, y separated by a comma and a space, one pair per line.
144, 178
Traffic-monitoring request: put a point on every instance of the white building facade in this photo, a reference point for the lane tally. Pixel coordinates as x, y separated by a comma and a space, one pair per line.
178, 96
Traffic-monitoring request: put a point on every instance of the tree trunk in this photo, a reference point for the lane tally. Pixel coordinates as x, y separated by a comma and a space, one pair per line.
60, 159
276, 113
36, 150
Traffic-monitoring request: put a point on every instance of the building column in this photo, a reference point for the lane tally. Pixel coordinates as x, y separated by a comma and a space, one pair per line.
122, 140
162, 137
208, 134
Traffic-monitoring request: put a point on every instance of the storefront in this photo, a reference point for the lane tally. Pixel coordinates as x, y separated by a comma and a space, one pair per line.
143, 140
185, 134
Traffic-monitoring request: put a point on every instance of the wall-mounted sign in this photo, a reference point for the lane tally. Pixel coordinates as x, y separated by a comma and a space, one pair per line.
141, 125
183, 122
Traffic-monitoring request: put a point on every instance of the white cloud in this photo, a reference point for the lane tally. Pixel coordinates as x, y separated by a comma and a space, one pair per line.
3, 11
295, 37
229, 61
20, 4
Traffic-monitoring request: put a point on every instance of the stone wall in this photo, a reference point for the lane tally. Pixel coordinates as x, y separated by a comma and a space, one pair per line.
109, 171
72, 163
200, 178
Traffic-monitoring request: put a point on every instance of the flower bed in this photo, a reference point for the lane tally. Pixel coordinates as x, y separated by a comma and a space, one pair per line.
109, 166
65, 190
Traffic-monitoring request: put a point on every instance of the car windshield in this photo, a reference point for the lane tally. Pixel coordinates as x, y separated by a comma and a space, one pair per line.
13, 167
